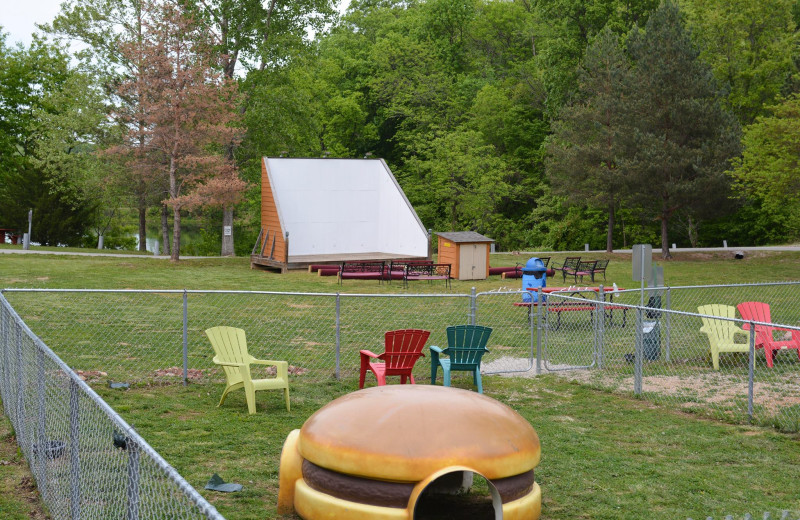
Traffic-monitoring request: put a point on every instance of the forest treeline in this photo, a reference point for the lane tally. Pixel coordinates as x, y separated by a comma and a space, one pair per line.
540, 123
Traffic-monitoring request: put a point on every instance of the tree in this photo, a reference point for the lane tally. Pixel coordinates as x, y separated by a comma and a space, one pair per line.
101, 26
683, 138
591, 134
41, 138
185, 111
771, 159
750, 47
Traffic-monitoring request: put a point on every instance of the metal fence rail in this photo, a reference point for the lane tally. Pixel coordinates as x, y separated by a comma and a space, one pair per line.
87, 461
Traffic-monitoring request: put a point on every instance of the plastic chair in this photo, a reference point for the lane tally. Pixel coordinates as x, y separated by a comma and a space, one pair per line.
230, 346
402, 348
466, 345
765, 337
721, 333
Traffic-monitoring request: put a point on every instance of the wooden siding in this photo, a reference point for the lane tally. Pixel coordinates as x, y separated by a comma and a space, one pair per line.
270, 221
448, 254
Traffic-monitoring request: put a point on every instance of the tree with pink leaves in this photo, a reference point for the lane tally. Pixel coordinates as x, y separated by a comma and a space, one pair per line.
184, 114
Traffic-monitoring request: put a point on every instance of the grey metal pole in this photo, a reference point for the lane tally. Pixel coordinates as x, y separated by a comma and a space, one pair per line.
637, 371
185, 338
132, 512
338, 335
751, 366
21, 426
473, 307
74, 451
601, 326
5, 369
541, 303
41, 434
667, 326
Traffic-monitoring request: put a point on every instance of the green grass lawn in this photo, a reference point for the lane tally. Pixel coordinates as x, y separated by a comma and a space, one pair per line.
604, 455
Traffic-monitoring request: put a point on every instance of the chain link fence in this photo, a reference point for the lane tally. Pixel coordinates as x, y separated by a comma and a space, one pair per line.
87, 461
656, 351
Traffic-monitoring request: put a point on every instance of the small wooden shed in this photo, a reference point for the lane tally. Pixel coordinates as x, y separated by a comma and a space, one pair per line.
467, 252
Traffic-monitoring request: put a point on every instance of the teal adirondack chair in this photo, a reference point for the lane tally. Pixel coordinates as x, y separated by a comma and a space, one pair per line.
466, 345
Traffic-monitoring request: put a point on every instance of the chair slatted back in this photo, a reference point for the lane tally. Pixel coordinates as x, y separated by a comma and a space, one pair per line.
403, 348
230, 345
757, 311
466, 344
571, 262
721, 330
601, 264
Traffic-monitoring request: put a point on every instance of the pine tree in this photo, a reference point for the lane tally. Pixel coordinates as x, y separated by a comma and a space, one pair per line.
683, 139
590, 135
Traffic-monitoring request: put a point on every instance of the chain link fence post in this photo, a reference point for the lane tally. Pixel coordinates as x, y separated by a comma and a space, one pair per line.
21, 431
668, 326
185, 338
74, 451
41, 434
601, 324
751, 365
473, 307
132, 512
638, 353
338, 335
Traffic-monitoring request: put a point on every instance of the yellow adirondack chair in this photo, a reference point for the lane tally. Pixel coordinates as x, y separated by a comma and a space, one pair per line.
230, 345
721, 334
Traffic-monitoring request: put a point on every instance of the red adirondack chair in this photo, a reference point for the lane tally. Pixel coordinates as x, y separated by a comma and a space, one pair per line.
765, 334
402, 349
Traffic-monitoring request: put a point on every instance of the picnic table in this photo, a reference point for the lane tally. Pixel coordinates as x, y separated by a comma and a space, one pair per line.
572, 305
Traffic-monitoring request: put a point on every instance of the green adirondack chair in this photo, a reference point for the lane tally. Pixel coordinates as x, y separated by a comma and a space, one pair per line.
230, 346
721, 333
466, 345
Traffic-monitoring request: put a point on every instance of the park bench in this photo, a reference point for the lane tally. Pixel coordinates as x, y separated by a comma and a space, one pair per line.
397, 268
362, 271
429, 272
600, 267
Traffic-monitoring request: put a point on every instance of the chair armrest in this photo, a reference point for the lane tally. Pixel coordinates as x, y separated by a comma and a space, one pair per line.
436, 349
255, 361
282, 367
227, 363
369, 353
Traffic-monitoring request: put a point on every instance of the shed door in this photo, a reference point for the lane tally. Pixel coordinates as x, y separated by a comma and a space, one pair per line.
472, 262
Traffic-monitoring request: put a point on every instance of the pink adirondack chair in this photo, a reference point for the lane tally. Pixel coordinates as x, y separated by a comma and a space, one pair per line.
402, 349
765, 334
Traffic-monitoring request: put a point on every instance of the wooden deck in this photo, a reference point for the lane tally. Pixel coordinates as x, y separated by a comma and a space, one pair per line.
303, 261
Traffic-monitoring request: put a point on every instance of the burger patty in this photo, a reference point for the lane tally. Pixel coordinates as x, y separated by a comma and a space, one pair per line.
394, 494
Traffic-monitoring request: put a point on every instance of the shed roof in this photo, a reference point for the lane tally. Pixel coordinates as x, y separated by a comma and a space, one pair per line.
460, 237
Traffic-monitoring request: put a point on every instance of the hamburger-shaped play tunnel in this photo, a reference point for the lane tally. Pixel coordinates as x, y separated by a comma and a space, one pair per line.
411, 452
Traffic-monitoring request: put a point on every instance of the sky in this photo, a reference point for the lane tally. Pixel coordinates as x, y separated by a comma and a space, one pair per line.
19, 16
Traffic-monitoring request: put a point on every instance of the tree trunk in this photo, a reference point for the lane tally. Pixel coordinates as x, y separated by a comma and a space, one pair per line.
142, 227
610, 234
227, 232
165, 229
176, 234
665, 254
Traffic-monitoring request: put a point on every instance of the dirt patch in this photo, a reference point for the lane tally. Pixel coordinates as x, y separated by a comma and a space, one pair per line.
193, 374
91, 376
708, 389
714, 389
